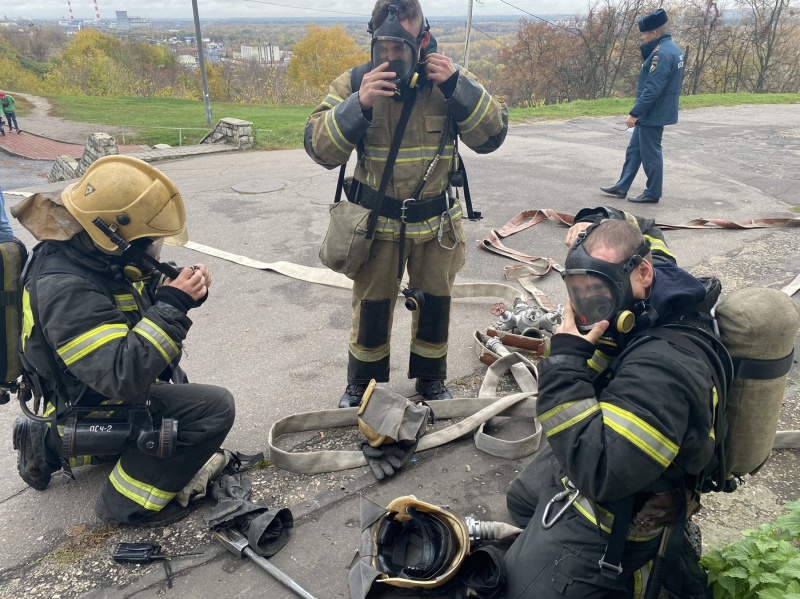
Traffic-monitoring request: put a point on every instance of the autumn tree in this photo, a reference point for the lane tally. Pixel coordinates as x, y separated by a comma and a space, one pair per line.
323, 54
770, 33
702, 37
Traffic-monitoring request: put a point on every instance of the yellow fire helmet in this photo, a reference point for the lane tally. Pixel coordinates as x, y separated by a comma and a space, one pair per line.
132, 198
408, 544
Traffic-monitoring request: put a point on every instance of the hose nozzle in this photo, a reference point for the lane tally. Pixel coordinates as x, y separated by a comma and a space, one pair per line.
489, 531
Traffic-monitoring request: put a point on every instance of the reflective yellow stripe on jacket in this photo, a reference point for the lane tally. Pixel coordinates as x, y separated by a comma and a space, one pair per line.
332, 127
477, 115
125, 302
158, 338
389, 228
90, 341
567, 415
143, 494
626, 424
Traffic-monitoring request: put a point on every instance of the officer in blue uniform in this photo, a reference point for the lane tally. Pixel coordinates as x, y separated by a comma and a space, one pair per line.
657, 93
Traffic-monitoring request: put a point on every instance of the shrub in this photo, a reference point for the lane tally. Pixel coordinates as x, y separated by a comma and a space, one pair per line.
764, 564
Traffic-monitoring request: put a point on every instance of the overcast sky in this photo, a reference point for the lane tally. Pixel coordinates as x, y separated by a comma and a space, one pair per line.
182, 9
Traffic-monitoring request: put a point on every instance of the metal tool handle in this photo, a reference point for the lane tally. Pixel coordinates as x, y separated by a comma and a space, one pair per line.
235, 542
278, 574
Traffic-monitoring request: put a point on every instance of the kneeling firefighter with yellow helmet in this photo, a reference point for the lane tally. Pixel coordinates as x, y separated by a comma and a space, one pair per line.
103, 327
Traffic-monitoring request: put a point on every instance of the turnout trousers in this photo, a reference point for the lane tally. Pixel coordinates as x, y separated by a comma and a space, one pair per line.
140, 485
431, 269
562, 562
644, 149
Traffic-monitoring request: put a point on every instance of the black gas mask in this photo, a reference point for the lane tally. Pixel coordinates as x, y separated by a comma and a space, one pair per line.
600, 290
392, 43
140, 270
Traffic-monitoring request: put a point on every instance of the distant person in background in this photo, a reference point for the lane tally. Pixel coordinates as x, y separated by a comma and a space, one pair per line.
657, 94
6, 233
9, 109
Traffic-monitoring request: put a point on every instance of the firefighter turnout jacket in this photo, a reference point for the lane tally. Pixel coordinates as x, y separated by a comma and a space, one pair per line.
459, 106
115, 341
616, 437
338, 125
624, 430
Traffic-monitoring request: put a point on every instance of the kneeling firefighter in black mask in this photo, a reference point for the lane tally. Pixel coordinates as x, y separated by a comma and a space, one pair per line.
403, 112
629, 416
103, 326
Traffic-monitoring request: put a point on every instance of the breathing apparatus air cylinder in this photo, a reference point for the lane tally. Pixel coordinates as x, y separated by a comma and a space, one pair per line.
758, 327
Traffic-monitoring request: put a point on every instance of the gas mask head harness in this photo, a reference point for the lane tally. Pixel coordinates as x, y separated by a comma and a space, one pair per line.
392, 43
600, 290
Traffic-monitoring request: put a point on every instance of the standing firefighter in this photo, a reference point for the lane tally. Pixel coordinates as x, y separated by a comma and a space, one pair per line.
102, 328
417, 222
629, 415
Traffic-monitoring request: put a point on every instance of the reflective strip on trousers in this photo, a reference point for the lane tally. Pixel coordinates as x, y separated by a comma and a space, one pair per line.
140, 493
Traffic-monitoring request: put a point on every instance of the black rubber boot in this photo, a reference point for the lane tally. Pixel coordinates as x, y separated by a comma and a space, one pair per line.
433, 389
352, 396
35, 472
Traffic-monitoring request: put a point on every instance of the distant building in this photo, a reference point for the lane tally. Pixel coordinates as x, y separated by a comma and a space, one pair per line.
261, 53
126, 23
187, 60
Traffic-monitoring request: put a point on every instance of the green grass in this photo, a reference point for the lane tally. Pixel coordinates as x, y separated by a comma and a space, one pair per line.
281, 127
277, 127
621, 106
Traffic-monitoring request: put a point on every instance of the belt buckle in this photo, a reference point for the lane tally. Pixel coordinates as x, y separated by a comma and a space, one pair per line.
609, 570
404, 209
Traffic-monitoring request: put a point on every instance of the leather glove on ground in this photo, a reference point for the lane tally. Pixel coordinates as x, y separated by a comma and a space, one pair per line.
387, 459
232, 493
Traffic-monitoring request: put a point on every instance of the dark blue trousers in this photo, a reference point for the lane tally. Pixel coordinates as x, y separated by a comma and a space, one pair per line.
644, 150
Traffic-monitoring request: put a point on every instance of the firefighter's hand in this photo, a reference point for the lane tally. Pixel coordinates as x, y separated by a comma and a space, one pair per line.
438, 67
574, 231
193, 281
569, 327
376, 84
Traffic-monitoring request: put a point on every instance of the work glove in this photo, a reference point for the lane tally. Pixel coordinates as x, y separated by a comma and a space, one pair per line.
387, 459
267, 530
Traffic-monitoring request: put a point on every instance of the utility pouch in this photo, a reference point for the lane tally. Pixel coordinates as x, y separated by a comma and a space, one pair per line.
346, 247
137, 553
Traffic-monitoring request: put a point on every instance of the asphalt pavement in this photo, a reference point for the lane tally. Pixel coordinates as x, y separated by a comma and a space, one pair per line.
280, 345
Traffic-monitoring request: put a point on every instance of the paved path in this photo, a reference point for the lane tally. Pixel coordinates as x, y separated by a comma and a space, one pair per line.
280, 345
38, 147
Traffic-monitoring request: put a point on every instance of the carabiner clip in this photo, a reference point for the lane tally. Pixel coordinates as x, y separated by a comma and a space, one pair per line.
440, 234
559, 497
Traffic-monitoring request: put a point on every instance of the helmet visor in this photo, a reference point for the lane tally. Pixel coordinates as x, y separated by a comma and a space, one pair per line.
399, 53
594, 297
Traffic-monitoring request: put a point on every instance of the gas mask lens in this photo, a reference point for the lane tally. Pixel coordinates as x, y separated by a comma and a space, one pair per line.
398, 53
592, 298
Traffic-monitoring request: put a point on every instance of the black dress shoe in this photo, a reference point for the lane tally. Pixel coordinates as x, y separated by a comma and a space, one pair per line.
351, 398
613, 191
643, 199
